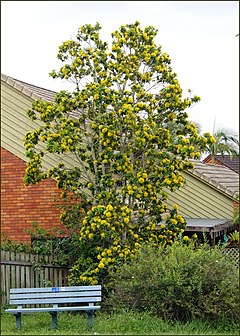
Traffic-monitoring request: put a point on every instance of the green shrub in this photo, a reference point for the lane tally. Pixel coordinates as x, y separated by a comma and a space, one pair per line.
178, 282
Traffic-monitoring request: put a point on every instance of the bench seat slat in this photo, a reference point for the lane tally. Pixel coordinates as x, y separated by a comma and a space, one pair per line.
55, 300
53, 289
49, 309
54, 294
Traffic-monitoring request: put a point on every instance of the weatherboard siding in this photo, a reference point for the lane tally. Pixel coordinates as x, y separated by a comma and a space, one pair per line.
15, 124
196, 199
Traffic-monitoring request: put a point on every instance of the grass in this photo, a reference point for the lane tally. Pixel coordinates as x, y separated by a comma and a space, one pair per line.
116, 324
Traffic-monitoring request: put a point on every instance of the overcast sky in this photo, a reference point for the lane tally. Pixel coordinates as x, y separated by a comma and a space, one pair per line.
199, 36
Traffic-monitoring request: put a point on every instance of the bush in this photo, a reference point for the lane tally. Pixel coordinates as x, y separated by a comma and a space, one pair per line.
178, 282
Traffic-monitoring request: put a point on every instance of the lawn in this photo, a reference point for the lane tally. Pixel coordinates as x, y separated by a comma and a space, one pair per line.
115, 324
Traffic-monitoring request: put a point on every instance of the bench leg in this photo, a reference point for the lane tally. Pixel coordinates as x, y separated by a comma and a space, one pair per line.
90, 319
54, 320
18, 320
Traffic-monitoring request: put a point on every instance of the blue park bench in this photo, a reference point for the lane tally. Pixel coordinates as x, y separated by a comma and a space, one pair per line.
54, 300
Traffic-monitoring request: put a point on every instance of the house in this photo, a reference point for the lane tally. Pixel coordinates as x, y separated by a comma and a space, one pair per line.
206, 201
228, 161
21, 205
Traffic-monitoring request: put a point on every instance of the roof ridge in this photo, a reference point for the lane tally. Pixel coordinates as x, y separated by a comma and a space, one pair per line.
31, 90
20, 81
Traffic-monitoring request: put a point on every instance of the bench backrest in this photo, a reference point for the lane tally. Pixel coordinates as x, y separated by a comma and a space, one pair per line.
55, 295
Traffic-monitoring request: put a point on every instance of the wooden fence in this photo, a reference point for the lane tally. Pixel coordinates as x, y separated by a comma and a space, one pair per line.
19, 270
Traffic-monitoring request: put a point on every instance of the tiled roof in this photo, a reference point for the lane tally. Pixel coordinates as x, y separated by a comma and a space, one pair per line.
32, 91
230, 162
218, 176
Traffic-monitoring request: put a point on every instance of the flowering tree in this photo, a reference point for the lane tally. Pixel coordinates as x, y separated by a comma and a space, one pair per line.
116, 122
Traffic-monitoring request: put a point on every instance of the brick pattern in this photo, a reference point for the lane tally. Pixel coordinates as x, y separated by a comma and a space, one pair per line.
230, 162
216, 162
22, 205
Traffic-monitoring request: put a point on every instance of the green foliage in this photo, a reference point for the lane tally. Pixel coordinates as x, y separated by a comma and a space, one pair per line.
233, 239
8, 244
126, 98
54, 242
178, 282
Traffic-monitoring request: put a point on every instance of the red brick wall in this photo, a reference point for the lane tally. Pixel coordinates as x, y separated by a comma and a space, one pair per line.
21, 205
216, 162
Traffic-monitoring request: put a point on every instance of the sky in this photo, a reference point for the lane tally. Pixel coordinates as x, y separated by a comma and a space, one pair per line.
199, 36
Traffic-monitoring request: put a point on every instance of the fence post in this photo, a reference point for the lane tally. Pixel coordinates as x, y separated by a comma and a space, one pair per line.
17, 271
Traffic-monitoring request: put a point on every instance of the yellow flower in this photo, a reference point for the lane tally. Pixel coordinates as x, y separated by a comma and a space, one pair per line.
141, 180
126, 220
101, 265
163, 226
185, 238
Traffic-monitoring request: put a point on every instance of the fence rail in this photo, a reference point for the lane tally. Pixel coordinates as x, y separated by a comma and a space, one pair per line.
20, 270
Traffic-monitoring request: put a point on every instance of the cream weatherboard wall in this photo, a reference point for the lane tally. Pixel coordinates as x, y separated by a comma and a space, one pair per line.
15, 124
197, 199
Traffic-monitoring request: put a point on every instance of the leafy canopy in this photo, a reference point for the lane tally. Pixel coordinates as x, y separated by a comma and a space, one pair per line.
115, 123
